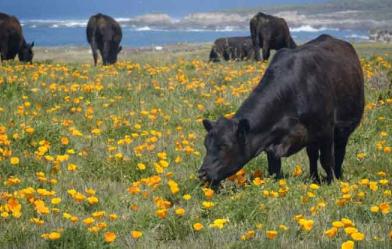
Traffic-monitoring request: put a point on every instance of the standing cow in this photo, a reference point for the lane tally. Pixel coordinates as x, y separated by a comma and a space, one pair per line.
269, 32
232, 48
12, 41
104, 34
309, 97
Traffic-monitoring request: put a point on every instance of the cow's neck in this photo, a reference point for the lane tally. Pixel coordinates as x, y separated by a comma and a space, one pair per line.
263, 109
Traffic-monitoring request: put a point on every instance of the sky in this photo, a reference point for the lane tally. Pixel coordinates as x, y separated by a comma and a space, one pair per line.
62, 9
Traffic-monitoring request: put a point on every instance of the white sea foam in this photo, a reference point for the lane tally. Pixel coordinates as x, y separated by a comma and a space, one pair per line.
308, 28
55, 23
144, 28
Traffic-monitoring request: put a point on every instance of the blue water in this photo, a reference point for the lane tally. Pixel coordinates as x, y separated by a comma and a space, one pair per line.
76, 36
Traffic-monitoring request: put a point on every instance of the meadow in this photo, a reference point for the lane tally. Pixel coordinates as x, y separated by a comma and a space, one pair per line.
106, 157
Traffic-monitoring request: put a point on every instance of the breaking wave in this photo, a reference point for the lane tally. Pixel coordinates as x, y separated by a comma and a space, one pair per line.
145, 28
51, 23
308, 28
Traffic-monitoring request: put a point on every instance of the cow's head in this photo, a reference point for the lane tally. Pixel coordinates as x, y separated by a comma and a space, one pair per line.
112, 54
214, 56
227, 150
26, 52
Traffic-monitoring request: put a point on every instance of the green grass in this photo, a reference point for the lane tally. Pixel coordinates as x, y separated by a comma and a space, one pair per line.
154, 101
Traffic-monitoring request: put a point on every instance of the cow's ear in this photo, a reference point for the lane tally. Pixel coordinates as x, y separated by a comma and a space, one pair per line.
119, 49
208, 125
32, 45
243, 129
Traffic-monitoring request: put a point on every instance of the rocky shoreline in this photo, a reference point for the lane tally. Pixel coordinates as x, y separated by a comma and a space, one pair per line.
383, 35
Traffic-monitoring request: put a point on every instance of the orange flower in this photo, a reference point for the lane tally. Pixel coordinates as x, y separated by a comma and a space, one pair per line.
72, 167
180, 211
161, 213
357, 236
54, 236
136, 234
40, 207
92, 200
330, 233
385, 208
348, 245
350, 230
248, 235
306, 225
208, 193
208, 204
338, 224
88, 221
14, 160
297, 170
258, 181
197, 226
64, 140
173, 186
109, 237
271, 234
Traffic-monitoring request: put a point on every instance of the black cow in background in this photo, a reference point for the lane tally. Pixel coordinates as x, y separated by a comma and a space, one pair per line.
311, 96
232, 48
269, 32
104, 34
12, 41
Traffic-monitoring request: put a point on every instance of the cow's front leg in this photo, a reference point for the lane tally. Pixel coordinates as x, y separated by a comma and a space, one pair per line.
274, 165
313, 155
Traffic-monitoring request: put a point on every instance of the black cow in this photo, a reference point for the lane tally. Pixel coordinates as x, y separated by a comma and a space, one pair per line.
104, 34
269, 32
232, 48
311, 96
12, 41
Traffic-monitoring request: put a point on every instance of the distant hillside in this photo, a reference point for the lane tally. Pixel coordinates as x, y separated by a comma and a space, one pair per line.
382, 8
358, 14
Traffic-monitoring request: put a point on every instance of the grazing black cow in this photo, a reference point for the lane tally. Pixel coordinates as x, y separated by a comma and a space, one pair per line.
12, 41
104, 34
311, 96
232, 48
269, 32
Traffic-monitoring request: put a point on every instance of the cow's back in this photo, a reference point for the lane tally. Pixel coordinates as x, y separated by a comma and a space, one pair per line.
328, 77
11, 35
104, 27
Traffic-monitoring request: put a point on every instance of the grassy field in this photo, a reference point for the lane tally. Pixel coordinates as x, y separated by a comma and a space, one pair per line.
106, 157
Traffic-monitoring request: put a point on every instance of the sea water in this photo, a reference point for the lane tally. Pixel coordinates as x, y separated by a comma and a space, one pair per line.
73, 33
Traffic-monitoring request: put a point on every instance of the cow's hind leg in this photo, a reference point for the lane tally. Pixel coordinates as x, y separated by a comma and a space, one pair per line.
274, 165
341, 139
327, 158
266, 49
94, 51
4, 50
313, 155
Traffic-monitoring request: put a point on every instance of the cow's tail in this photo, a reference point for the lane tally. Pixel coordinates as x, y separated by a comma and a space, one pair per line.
90, 33
91, 29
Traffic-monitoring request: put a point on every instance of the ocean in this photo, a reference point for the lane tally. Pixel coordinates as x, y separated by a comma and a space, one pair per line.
47, 33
